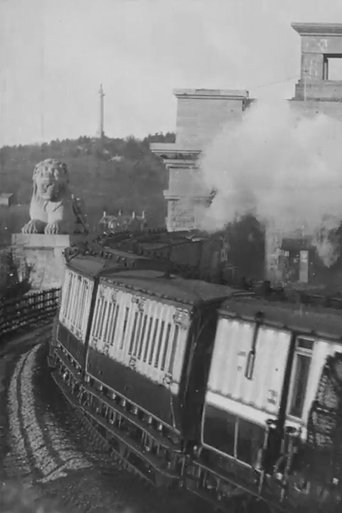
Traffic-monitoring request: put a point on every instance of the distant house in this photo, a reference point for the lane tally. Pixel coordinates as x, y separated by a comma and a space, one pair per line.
122, 222
116, 158
6, 199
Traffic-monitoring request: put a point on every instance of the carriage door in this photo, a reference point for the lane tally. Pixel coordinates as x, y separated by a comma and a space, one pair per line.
245, 386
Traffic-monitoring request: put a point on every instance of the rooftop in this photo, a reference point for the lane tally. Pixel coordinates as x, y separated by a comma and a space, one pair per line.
95, 266
310, 320
212, 93
185, 291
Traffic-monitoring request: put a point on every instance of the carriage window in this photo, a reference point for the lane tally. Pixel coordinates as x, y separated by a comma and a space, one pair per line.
96, 316
302, 362
103, 319
77, 294
71, 298
124, 327
137, 339
109, 322
142, 337
84, 297
100, 313
112, 333
75, 304
153, 341
166, 345
66, 298
148, 339
133, 333
156, 361
173, 349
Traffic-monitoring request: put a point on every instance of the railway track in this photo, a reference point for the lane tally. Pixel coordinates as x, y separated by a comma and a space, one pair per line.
56, 452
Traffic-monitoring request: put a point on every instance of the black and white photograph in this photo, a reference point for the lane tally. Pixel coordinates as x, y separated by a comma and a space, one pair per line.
170, 256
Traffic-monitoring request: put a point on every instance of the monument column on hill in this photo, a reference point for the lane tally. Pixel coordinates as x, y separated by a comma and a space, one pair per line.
101, 118
54, 225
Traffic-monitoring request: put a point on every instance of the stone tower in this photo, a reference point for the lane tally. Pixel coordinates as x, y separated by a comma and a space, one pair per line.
201, 113
317, 91
321, 46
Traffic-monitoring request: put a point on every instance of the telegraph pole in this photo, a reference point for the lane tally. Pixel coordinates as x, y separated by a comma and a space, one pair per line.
101, 128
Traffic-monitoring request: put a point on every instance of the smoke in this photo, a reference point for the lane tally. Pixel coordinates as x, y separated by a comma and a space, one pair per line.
284, 168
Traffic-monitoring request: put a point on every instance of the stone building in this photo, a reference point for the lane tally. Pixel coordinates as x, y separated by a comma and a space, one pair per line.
202, 112
123, 222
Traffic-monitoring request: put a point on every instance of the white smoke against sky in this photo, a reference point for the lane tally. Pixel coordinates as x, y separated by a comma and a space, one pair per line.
284, 168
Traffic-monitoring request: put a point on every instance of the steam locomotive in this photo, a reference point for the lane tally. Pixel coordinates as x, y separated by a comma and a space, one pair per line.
197, 384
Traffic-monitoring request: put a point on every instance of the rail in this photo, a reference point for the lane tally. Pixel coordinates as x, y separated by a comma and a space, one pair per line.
31, 309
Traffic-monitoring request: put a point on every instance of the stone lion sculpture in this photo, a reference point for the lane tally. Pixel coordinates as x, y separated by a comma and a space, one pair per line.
51, 208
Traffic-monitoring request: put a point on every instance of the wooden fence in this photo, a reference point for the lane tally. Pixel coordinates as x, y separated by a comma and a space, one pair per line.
28, 310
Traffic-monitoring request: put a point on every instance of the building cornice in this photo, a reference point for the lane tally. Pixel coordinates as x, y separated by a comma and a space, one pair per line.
178, 196
318, 29
176, 154
212, 94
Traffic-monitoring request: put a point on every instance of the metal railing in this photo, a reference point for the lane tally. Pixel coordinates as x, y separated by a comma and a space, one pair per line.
31, 309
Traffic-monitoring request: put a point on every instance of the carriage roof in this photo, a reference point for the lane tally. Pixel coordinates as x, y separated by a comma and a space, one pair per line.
93, 266
314, 320
156, 283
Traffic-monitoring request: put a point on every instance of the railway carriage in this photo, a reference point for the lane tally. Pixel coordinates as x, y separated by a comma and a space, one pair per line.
71, 329
265, 414
133, 349
145, 376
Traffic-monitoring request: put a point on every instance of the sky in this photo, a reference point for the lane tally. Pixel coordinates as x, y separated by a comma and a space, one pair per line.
55, 53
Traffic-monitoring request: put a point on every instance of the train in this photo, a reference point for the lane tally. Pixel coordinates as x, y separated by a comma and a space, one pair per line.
233, 396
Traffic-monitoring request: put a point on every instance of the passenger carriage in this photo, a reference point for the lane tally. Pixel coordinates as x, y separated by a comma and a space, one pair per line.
146, 365
68, 346
263, 417
134, 347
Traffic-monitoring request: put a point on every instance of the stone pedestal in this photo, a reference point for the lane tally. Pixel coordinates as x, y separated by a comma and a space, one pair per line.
43, 254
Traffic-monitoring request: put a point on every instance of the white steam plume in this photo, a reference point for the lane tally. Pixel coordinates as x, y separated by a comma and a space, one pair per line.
281, 166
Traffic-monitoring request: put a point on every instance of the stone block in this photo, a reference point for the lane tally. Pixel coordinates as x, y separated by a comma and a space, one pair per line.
43, 254
202, 113
185, 213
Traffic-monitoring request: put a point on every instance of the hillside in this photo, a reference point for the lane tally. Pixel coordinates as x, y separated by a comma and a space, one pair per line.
110, 175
